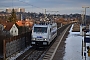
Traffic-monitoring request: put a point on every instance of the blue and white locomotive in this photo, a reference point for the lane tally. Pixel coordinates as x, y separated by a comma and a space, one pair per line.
43, 33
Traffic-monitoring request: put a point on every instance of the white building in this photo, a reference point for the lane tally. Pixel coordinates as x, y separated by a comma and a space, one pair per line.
9, 10
11, 29
22, 9
18, 9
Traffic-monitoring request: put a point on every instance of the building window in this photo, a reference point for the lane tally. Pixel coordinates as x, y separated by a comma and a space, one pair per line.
11, 31
13, 26
15, 31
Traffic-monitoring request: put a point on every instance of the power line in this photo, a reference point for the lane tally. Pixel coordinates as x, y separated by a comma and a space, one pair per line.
28, 4
31, 5
4, 5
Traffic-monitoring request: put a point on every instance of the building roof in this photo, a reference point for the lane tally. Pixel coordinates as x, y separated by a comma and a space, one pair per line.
3, 22
24, 23
8, 26
20, 23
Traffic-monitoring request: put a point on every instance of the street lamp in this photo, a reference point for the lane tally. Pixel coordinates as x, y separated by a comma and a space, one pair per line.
85, 14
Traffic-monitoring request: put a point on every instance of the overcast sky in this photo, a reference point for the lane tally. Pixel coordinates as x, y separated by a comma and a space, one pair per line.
63, 6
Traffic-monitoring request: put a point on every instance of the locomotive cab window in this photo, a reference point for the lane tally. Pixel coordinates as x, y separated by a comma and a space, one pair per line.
40, 29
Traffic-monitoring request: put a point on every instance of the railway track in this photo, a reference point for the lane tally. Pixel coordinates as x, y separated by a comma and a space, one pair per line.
38, 53
52, 50
35, 55
25, 55
41, 53
32, 54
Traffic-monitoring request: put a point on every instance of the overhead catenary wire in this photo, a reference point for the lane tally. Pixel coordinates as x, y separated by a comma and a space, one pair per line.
12, 4
36, 6
27, 3
2, 9
7, 5
31, 5
4, 5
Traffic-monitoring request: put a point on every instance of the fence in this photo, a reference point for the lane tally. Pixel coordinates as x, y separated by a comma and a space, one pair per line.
15, 44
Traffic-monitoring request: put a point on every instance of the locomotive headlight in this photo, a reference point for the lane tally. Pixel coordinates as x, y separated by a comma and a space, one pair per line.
45, 39
33, 38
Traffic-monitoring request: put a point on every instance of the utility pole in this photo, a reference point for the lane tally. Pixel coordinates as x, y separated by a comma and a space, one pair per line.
85, 14
53, 11
49, 11
82, 22
45, 13
85, 28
